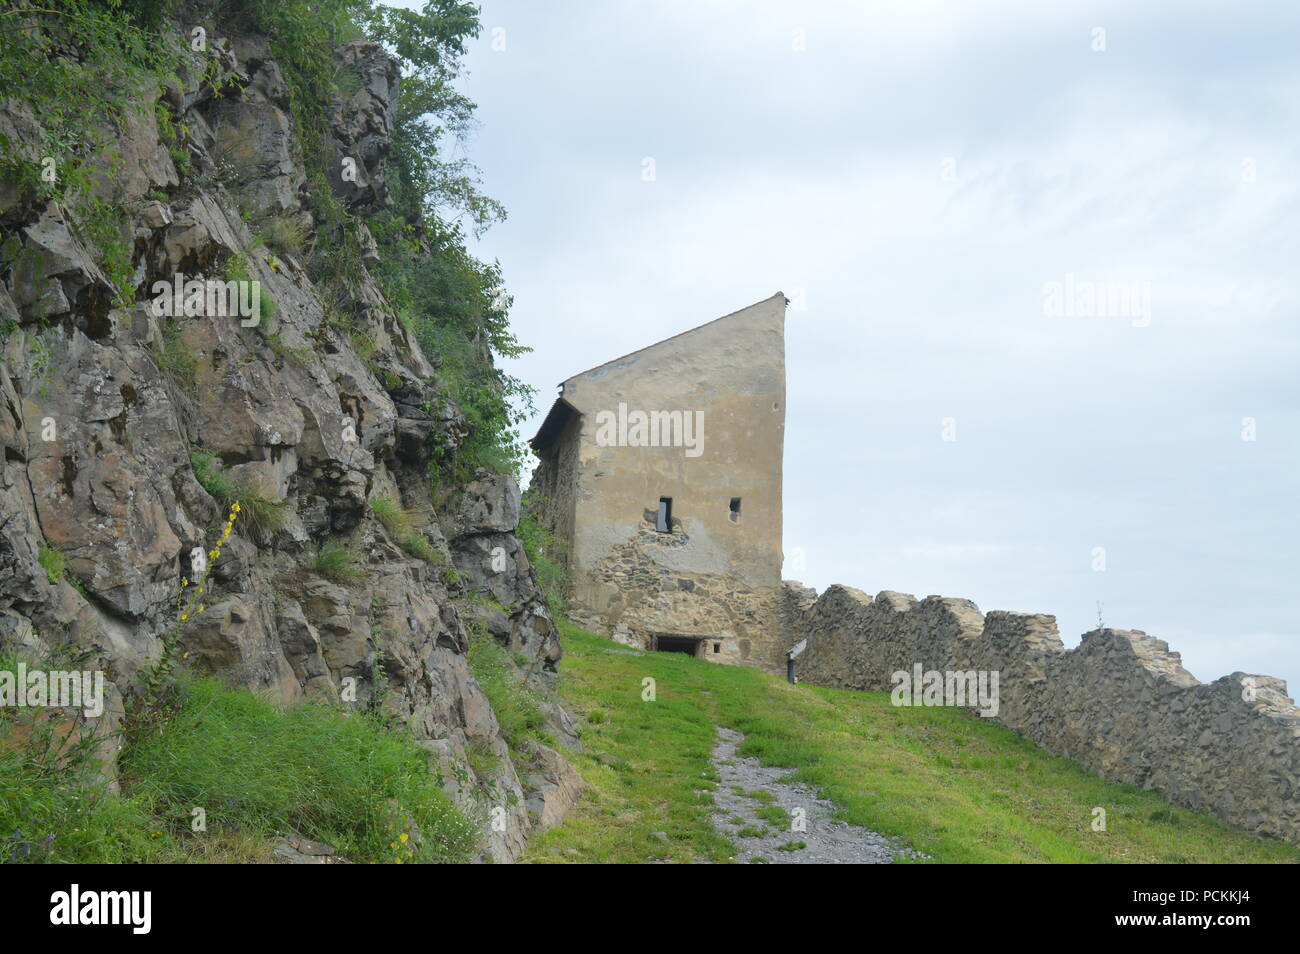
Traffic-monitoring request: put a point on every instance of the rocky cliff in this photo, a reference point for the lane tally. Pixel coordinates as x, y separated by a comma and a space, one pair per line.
132, 412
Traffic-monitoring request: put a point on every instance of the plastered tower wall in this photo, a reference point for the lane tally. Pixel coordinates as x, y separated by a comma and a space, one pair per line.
716, 576
1120, 702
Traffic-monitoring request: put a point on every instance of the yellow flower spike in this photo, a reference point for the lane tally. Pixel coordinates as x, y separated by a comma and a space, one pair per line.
184, 617
404, 837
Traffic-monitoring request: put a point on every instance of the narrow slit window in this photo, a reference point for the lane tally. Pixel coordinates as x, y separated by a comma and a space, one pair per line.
735, 509
717, 647
664, 518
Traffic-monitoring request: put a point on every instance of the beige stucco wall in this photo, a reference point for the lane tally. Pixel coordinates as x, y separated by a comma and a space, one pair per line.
712, 577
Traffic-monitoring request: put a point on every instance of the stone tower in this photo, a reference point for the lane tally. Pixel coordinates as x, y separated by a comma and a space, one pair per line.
661, 474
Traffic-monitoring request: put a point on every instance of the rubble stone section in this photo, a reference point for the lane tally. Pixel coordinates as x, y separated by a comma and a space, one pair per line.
1120, 703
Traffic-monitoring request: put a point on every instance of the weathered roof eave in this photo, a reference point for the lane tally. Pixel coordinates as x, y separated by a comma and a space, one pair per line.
553, 424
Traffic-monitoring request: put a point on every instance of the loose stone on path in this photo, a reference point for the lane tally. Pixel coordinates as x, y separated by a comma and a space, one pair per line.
824, 841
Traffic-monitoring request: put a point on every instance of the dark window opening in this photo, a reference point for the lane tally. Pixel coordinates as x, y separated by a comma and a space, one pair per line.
664, 518
717, 647
735, 508
677, 644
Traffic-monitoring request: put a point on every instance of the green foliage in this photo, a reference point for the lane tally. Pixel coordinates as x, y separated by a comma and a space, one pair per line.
66, 815
549, 561
418, 546
208, 472
109, 231
517, 708
80, 68
401, 523
284, 235
467, 378
260, 516
333, 559
390, 513
257, 772
452, 301
237, 269
53, 562
176, 359
338, 777
300, 355
53, 806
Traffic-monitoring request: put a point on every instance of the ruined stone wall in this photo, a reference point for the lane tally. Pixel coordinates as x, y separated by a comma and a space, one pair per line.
739, 623
1120, 703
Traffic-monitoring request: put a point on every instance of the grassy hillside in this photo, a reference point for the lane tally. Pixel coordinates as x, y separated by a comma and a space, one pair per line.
951, 784
256, 771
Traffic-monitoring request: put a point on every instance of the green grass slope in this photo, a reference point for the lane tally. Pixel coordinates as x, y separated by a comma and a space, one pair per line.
951, 784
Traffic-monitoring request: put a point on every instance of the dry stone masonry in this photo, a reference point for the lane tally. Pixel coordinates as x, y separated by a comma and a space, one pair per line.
1120, 703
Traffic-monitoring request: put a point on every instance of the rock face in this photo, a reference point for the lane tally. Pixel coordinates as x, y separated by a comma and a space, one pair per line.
1120, 703
98, 420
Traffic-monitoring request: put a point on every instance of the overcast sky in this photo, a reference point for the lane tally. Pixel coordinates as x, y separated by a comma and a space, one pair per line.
915, 175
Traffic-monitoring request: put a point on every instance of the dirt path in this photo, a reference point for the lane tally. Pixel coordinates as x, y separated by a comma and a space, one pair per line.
756, 810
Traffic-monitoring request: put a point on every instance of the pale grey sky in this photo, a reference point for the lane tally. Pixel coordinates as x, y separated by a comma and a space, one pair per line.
915, 173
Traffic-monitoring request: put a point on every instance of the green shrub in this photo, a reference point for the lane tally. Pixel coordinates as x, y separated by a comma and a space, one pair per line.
257, 772
299, 355
546, 555
209, 473
333, 559
177, 360
56, 817
53, 562
418, 546
284, 235
396, 520
260, 515
517, 708
401, 523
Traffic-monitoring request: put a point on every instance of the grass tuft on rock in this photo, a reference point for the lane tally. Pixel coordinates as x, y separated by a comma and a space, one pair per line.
335, 560
53, 562
402, 525
261, 517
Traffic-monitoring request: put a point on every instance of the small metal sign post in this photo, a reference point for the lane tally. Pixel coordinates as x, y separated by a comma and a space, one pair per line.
793, 651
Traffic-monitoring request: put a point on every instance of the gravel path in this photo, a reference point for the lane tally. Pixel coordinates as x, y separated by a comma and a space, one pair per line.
756, 810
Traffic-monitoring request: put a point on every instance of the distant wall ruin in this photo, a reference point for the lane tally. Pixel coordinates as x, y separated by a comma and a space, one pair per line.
1120, 703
